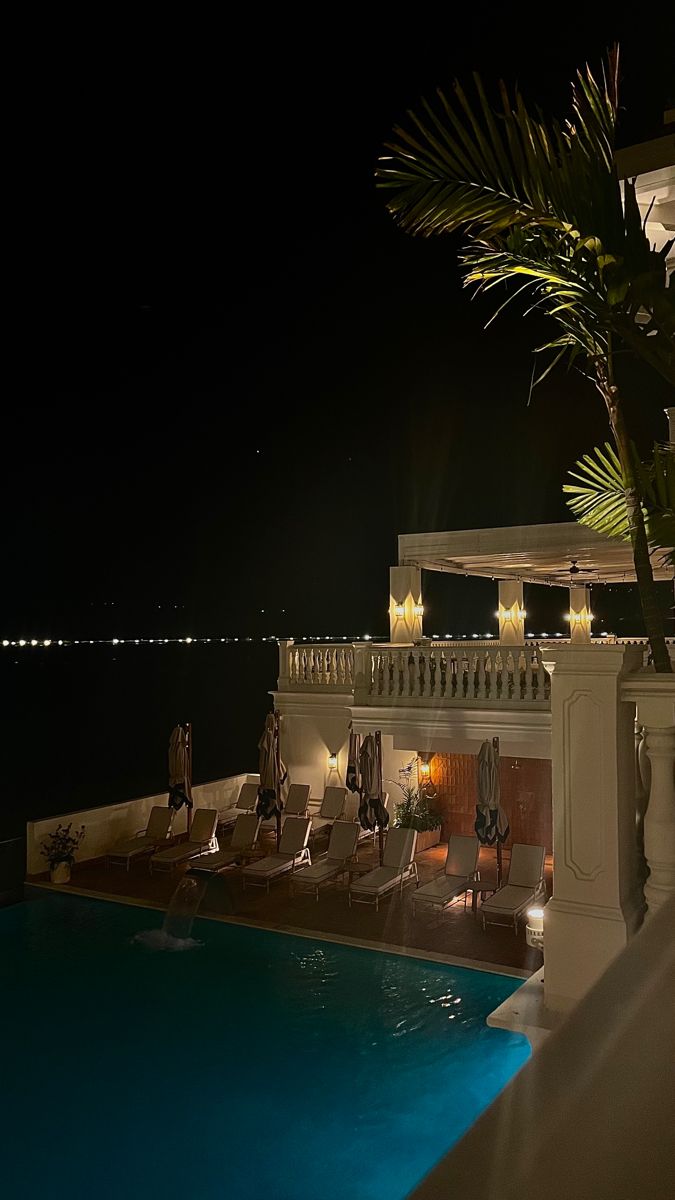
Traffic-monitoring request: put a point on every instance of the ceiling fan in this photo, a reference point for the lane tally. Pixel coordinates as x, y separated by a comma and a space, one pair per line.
575, 570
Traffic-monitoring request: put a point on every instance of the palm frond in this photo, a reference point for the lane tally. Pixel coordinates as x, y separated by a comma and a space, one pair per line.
598, 498
541, 201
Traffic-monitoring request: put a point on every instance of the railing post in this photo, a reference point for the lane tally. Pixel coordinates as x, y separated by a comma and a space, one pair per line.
284, 666
361, 671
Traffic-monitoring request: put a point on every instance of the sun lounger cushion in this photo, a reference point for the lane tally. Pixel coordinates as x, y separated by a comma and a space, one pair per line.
508, 900
442, 889
377, 880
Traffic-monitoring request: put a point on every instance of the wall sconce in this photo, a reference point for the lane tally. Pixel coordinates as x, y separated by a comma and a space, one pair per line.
419, 610
332, 762
511, 614
577, 618
424, 769
399, 609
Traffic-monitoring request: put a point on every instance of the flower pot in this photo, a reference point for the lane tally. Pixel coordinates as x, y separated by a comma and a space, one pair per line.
60, 872
426, 838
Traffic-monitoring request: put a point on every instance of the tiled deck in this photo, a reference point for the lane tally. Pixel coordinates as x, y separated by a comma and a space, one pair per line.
453, 934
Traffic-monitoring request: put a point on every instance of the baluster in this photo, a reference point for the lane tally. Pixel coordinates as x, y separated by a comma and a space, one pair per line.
340, 655
481, 682
390, 673
444, 672
511, 671
411, 675
499, 676
350, 667
529, 682
430, 682
400, 673
454, 672
465, 675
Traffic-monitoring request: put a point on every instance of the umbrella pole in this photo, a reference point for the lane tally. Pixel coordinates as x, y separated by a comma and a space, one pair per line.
380, 830
495, 747
277, 755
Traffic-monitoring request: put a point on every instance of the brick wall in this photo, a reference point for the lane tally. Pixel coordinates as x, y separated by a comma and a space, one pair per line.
525, 791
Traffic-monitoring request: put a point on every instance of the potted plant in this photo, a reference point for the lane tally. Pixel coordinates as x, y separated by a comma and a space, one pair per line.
415, 811
59, 849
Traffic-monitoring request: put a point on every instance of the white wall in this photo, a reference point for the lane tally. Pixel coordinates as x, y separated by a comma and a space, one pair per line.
111, 823
310, 730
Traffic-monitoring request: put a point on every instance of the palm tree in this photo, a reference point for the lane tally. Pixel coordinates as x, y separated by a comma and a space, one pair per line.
542, 206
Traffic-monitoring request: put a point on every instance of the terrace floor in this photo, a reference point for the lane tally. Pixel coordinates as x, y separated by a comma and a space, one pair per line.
453, 934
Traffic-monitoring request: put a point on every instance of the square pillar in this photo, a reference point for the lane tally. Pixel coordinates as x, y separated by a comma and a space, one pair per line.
406, 612
511, 613
580, 615
597, 901
654, 696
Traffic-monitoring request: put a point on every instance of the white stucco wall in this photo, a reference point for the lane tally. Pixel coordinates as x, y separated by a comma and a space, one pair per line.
111, 823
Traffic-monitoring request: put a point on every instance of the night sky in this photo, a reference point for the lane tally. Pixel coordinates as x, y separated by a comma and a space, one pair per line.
236, 381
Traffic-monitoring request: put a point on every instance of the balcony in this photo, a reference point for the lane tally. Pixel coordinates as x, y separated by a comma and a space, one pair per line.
476, 674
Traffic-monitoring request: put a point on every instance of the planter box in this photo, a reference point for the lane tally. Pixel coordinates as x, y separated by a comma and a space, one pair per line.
426, 839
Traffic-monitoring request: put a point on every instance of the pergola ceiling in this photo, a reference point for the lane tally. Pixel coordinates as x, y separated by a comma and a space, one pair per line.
531, 553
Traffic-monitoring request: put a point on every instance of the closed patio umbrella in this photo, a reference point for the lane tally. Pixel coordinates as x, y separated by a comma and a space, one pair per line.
372, 813
180, 769
492, 826
353, 779
272, 773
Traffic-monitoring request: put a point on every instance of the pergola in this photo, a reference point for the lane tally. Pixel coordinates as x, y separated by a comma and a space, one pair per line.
562, 555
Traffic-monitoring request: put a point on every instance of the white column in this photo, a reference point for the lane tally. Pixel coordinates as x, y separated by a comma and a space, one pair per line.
597, 897
406, 612
655, 699
580, 615
670, 413
284, 674
511, 613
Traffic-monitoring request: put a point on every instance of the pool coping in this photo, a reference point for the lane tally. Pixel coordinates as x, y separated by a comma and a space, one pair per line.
472, 964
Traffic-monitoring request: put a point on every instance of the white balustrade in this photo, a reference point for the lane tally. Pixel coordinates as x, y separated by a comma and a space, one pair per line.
457, 673
316, 666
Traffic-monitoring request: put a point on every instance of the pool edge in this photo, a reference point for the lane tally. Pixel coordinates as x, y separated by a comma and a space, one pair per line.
452, 960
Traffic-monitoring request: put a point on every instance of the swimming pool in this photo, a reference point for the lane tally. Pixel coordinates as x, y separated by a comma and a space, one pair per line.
258, 1065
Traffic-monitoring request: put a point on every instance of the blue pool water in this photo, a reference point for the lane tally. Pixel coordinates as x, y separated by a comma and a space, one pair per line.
257, 1065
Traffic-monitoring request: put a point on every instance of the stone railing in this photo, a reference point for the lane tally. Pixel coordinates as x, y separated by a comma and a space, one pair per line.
457, 673
467, 672
304, 667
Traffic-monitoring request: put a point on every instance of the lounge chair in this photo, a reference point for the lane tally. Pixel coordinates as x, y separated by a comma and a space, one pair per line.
341, 851
525, 885
296, 804
461, 864
246, 801
398, 866
293, 850
244, 837
332, 807
145, 841
202, 835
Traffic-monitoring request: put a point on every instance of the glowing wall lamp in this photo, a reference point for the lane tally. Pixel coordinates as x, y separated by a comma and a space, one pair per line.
419, 610
332, 762
399, 610
579, 618
534, 930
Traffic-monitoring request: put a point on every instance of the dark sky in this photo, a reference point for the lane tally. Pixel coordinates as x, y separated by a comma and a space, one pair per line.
235, 381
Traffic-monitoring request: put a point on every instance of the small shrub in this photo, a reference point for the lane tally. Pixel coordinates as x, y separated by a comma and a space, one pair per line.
60, 845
